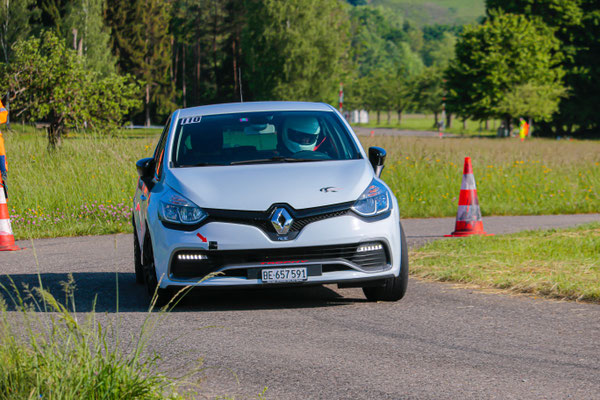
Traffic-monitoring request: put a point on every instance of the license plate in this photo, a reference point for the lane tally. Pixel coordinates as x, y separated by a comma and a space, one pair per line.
278, 275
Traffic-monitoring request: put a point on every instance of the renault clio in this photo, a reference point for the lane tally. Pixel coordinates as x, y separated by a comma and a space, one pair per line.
266, 194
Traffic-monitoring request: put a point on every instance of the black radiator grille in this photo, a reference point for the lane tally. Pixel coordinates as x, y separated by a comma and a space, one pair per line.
262, 219
370, 260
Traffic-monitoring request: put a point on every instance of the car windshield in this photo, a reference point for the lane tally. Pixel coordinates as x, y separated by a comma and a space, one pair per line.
262, 137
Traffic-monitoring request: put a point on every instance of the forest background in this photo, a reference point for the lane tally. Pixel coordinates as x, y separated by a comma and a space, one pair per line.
81, 64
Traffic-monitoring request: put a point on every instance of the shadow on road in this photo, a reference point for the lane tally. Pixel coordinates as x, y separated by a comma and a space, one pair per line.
102, 288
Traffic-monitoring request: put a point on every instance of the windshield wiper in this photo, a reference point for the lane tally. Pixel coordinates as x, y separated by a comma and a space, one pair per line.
273, 159
201, 164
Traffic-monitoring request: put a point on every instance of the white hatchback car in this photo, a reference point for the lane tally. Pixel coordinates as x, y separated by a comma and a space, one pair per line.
266, 194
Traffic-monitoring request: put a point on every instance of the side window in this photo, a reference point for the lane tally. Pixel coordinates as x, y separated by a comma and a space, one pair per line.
159, 153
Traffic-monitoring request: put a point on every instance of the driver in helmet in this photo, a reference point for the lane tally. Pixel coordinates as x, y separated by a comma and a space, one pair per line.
300, 133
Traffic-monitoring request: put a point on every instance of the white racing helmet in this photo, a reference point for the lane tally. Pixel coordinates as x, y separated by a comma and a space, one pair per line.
300, 133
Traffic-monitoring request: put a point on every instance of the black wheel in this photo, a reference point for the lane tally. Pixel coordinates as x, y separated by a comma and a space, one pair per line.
137, 259
163, 296
392, 289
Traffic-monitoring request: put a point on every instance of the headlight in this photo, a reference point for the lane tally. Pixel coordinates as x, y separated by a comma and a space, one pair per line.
375, 200
177, 209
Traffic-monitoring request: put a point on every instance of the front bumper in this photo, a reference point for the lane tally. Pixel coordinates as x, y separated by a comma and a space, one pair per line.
238, 252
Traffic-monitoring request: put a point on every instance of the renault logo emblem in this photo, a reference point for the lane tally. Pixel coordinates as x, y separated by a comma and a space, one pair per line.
282, 221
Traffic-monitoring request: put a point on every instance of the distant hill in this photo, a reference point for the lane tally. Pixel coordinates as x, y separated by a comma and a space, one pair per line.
430, 12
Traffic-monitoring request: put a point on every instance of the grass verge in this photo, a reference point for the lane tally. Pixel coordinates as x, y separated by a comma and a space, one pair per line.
558, 263
46, 352
422, 122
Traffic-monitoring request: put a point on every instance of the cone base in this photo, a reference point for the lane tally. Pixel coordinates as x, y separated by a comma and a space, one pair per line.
463, 234
12, 247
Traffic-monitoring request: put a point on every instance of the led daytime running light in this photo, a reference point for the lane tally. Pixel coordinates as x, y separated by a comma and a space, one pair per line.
191, 257
369, 247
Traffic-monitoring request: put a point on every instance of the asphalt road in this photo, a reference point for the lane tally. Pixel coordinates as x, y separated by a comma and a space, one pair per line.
440, 341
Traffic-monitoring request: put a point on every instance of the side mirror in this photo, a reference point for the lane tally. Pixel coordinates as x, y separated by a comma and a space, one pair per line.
377, 159
145, 168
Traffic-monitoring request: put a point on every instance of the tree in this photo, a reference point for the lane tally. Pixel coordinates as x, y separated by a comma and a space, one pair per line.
403, 96
142, 44
378, 93
429, 92
15, 18
575, 24
47, 81
84, 27
293, 49
380, 40
494, 59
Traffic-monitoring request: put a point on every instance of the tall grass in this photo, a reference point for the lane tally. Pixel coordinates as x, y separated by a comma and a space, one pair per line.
86, 187
538, 176
53, 355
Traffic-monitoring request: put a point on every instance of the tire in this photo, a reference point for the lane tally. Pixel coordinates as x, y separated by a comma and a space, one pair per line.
393, 289
137, 259
163, 296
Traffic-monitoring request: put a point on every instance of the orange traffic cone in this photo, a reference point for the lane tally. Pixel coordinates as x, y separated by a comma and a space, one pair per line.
468, 217
7, 240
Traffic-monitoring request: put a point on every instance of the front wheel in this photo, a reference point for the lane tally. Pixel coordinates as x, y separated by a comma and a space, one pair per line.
393, 289
137, 259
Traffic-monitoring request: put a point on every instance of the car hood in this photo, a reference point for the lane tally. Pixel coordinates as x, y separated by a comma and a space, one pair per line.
257, 187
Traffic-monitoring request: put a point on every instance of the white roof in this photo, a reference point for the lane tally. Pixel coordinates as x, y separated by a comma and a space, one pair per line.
229, 108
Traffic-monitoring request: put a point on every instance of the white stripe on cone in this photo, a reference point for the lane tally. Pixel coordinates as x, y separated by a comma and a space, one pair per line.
468, 182
468, 213
5, 228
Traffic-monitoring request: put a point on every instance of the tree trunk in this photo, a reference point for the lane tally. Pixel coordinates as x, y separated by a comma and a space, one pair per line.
54, 136
508, 125
399, 116
147, 105
198, 74
435, 120
214, 49
389, 117
176, 66
378, 112
448, 120
184, 87
487, 125
464, 121
235, 75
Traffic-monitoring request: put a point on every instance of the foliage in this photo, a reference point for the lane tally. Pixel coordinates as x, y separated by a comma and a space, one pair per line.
430, 12
142, 43
494, 59
48, 82
429, 91
535, 101
440, 52
381, 41
293, 49
84, 25
576, 27
15, 18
